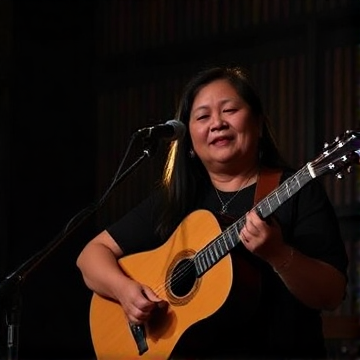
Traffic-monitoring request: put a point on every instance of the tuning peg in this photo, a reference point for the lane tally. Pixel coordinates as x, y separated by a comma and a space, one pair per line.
357, 156
339, 175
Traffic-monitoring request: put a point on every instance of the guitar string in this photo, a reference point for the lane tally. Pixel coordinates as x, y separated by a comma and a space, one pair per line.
178, 277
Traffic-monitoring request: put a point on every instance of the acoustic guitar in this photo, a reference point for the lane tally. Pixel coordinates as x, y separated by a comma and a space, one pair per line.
184, 270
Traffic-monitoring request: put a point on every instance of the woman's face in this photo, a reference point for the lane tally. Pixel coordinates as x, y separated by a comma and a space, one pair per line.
223, 129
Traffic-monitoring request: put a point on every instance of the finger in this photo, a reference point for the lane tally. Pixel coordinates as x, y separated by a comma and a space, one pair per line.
253, 220
243, 238
162, 304
139, 316
135, 321
151, 296
250, 227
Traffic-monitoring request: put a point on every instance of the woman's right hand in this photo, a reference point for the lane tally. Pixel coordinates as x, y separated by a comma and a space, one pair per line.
138, 301
107, 279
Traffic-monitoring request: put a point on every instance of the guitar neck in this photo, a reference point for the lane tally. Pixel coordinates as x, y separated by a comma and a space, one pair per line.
228, 239
284, 192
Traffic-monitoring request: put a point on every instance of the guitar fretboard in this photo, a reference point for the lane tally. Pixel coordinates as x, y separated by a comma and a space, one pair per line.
228, 239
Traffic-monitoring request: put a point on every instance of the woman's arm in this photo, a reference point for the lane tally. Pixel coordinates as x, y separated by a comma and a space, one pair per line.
98, 263
314, 282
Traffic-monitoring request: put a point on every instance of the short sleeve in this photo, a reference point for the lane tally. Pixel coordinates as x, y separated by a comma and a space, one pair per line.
135, 231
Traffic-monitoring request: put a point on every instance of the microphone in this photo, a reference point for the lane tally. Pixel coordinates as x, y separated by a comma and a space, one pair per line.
171, 130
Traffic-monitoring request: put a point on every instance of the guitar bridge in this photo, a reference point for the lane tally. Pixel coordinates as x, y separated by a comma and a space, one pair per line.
138, 332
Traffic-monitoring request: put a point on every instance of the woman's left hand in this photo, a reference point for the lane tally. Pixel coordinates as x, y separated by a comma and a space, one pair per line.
262, 237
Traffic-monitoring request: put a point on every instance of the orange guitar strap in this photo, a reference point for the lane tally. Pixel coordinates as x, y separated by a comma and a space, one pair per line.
268, 180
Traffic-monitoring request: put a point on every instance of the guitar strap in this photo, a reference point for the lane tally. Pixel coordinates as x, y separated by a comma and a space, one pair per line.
268, 180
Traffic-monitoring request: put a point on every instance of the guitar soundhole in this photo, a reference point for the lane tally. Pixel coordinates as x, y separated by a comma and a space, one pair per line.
183, 278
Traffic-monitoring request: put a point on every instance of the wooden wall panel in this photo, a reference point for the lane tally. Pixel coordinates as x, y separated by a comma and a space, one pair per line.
135, 25
299, 98
6, 44
339, 98
282, 88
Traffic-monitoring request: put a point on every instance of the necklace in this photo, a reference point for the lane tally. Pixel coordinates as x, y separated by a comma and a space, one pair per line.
224, 205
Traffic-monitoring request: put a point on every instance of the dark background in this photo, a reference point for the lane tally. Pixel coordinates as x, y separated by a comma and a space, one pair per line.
50, 141
64, 128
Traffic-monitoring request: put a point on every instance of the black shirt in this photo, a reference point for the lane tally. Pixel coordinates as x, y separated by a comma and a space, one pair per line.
260, 318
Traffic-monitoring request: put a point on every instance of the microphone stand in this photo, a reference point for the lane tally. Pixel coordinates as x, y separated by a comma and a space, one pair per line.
10, 287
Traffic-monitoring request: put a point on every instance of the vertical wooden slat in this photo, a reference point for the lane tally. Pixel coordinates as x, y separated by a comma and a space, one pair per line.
225, 10
126, 16
265, 11
283, 131
169, 21
328, 110
337, 107
272, 81
285, 9
256, 12
301, 113
153, 29
356, 124
6, 45
113, 28
291, 85
246, 12
348, 75
275, 10
236, 15
119, 15
215, 19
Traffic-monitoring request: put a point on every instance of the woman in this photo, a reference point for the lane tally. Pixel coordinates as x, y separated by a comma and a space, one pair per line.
286, 269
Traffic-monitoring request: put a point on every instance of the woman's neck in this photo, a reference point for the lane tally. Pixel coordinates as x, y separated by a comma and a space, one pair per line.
234, 181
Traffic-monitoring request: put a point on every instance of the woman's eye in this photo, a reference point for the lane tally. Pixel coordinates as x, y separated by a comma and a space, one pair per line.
202, 117
229, 110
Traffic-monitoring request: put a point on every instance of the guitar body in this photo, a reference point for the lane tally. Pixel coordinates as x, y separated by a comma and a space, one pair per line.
161, 269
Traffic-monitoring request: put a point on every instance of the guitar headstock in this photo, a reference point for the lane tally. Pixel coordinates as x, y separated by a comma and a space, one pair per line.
339, 156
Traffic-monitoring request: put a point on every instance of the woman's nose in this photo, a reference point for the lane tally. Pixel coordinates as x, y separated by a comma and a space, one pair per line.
218, 122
